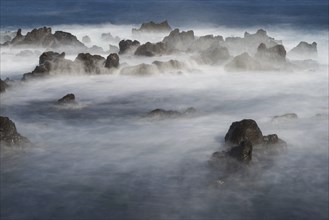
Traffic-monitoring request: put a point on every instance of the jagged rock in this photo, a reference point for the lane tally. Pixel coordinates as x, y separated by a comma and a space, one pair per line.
285, 117
153, 27
90, 63
246, 129
86, 39
148, 49
43, 37
8, 133
67, 99
249, 42
181, 41
128, 45
272, 54
3, 86
51, 56
243, 62
304, 50
112, 61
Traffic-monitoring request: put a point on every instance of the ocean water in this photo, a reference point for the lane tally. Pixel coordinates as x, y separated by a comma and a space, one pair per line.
102, 159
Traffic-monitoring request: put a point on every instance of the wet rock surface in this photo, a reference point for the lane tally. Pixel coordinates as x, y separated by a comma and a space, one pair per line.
112, 61
153, 27
67, 99
163, 114
126, 46
9, 135
3, 86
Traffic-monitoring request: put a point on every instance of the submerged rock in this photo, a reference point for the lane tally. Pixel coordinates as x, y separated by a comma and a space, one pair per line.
153, 27
162, 114
284, 117
8, 133
86, 39
67, 99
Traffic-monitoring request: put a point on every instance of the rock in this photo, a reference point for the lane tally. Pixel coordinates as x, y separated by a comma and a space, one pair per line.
109, 37
148, 49
214, 55
3, 86
49, 61
243, 62
153, 27
96, 49
207, 42
168, 66
90, 63
285, 117
272, 54
162, 114
128, 45
140, 70
86, 39
304, 50
112, 61
180, 41
250, 42
67, 99
247, 129
242, 152
8, 133
43, 37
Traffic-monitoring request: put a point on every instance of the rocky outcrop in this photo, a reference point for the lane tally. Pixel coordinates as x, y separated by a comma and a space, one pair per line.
91, 63
272, 54
246, 139
249, 42
215, 55
112, 61
128, 46
50, 61
304, 50
153, 27
67, 99
9, 135
149, 49
43, 37
168, 66
180, 41
206, 42
3, 86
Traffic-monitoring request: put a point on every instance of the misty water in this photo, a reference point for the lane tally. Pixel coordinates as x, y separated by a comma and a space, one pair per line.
103, 159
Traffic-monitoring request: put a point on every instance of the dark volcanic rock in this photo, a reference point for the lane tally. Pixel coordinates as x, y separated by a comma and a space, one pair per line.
51, 56
148, 49
67, 99
8, 133
3, 86
90, 63
177, 40
245, 130
242, 153
153, 27
112, 61
128, 45
43, 37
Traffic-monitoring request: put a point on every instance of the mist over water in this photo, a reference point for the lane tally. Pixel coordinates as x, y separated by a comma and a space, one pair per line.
103, 159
